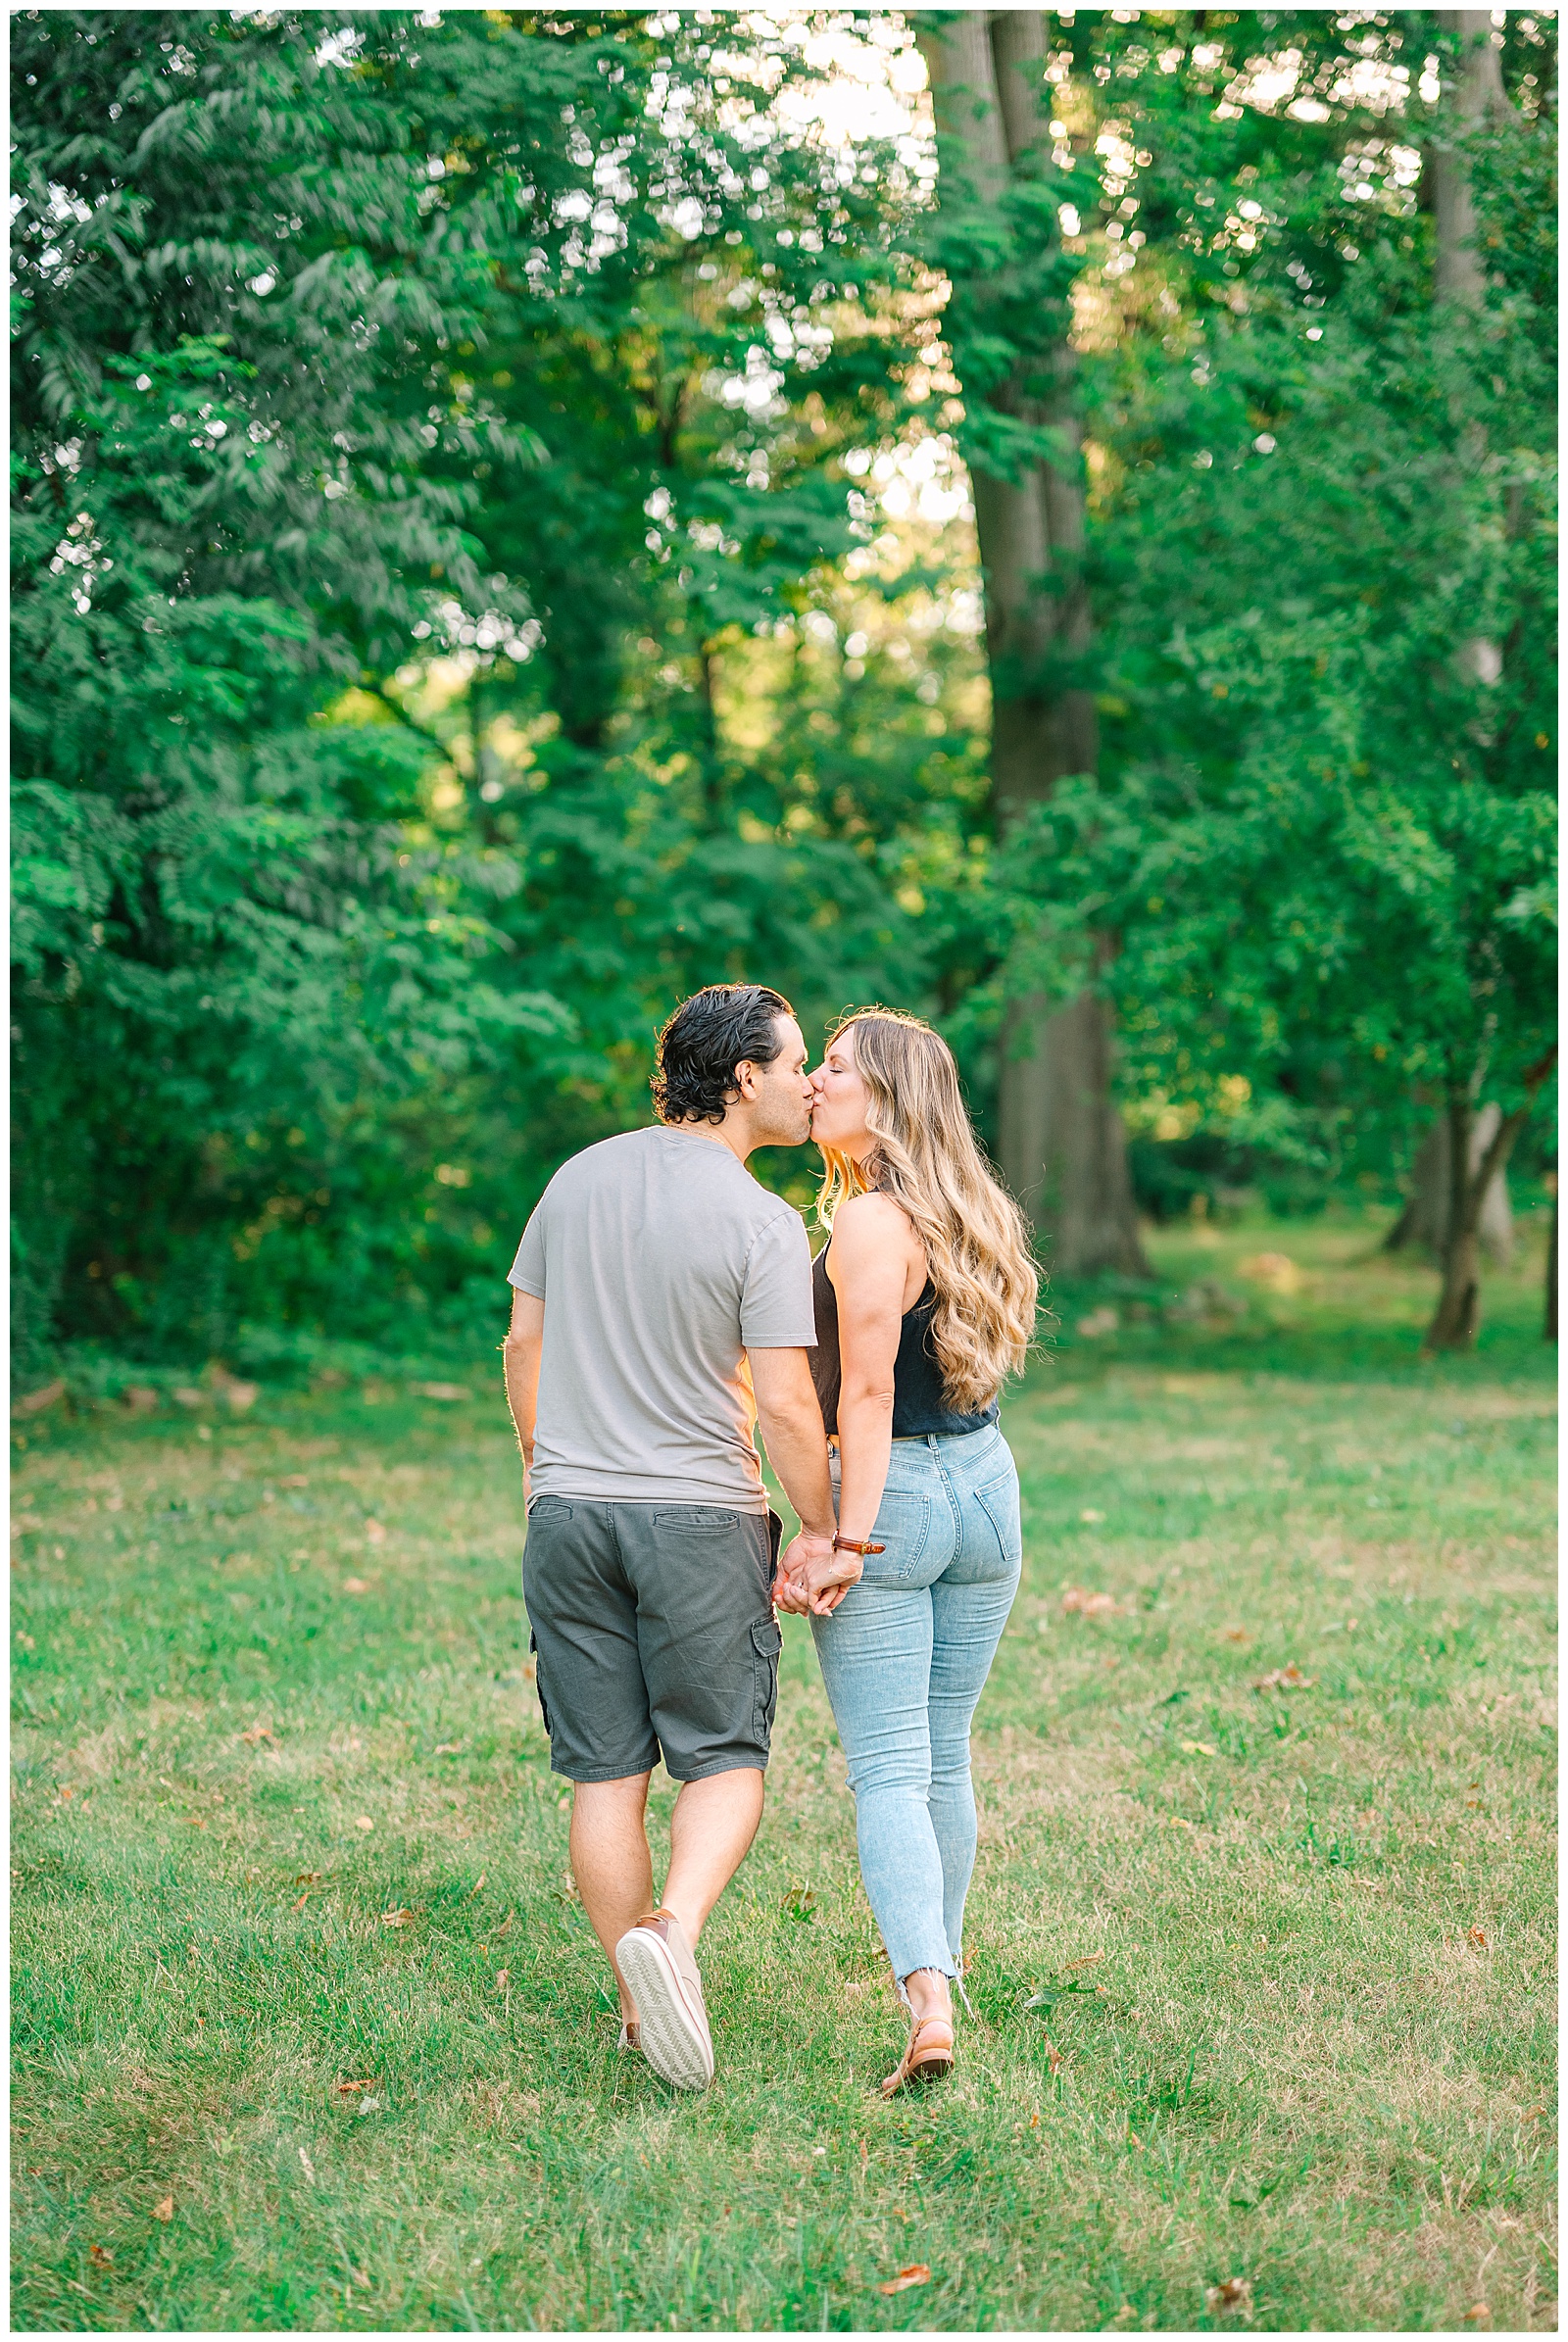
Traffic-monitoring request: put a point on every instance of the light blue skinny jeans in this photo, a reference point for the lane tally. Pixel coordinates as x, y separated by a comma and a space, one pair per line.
905, 1658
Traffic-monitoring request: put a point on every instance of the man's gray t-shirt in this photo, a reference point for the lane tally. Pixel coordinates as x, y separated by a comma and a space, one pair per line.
658, 1259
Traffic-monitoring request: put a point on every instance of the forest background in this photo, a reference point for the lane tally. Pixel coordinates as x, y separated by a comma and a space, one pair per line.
499, 510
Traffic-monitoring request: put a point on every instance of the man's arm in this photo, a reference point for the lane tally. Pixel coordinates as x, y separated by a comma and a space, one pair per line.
791, 1424
520, 1351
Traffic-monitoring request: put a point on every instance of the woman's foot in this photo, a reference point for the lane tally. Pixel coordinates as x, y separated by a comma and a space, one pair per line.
928, 2056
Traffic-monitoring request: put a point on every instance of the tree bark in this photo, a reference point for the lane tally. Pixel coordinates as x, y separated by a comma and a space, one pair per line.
1548, 1330
1427, 1217
1458, 1311
1460, 276
1062, 1146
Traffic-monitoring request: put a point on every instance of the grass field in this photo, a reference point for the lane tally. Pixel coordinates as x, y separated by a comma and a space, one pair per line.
311, 2029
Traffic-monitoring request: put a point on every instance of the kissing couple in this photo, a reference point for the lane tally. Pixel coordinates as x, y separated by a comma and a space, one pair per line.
663, 1304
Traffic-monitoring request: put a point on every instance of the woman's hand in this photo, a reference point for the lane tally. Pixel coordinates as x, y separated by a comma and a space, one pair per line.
823, 1583
790, 1594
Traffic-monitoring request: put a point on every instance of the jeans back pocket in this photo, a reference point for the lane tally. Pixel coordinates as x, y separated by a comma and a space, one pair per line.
903, 1526
1000, 1503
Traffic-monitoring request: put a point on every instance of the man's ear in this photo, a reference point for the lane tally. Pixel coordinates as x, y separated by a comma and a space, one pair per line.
746, 1079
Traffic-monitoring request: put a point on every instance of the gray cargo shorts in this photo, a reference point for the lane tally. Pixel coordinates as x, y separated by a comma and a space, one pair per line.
653, 1629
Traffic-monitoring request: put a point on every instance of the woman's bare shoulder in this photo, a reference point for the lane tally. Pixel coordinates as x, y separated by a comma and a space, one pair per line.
872, 1223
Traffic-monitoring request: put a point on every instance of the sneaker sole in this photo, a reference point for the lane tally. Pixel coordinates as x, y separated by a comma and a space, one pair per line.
671, 2041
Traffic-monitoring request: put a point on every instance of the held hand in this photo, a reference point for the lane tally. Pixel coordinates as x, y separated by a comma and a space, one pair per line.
790, 1591
825, 1582
790, 1596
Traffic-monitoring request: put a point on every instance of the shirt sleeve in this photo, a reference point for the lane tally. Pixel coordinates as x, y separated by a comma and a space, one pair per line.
527, 1271
776, 1311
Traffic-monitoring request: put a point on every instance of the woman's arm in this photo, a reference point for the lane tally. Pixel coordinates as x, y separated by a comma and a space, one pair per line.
868, 1268
875, 1260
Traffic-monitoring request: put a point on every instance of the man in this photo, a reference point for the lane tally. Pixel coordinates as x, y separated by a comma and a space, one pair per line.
659, 1289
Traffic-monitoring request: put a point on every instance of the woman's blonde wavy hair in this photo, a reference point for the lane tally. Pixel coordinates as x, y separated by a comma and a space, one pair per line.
926, 1158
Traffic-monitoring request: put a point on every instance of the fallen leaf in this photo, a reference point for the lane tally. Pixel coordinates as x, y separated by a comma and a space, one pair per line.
1478, 2313
374, 1532
356, 1586
1180, 1821
1236, 1634
362, 1822
447, 1392
1284, 1679
396, 1919
192, 1821
346, 2089
257, 1735
305, 1877
1089, 1514
304, 1899
474, 1888
100, 2255
1477, 1935
1198, 1748
1052, 2053
916, 2274
449, 1748
1088, 1960
37, 1400
502, 1978
1277, 1270
370, 2104
1088, 1605
163, 2210
1232, 2293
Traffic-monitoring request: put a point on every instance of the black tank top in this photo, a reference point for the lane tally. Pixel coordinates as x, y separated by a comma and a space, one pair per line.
919, 1405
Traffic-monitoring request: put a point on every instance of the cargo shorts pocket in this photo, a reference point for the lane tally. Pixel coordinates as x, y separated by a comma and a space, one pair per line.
768, 1642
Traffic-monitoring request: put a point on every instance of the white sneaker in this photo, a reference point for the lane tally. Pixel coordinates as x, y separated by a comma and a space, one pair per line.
656, 1963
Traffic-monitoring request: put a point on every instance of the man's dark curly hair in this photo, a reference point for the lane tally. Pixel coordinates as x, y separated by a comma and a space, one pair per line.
718, 1029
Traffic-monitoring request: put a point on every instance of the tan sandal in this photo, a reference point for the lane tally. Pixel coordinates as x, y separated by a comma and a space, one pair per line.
918, 2066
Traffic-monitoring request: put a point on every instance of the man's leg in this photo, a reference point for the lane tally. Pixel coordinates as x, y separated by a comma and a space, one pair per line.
713, 1823
610, 1861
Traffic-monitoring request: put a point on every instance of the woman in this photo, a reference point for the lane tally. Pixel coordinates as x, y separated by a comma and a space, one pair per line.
925, 1303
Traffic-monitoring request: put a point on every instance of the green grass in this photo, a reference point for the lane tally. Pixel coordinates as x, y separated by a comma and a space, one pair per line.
1289, 1951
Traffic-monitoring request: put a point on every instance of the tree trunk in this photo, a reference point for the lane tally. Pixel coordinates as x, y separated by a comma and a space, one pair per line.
1427, 1217
1060, 1122
1459, 275
1548, 1330
1458, 1311
1062, 1146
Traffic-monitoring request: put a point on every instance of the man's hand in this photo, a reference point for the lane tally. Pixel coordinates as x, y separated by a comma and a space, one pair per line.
814, 1578
789, 1590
